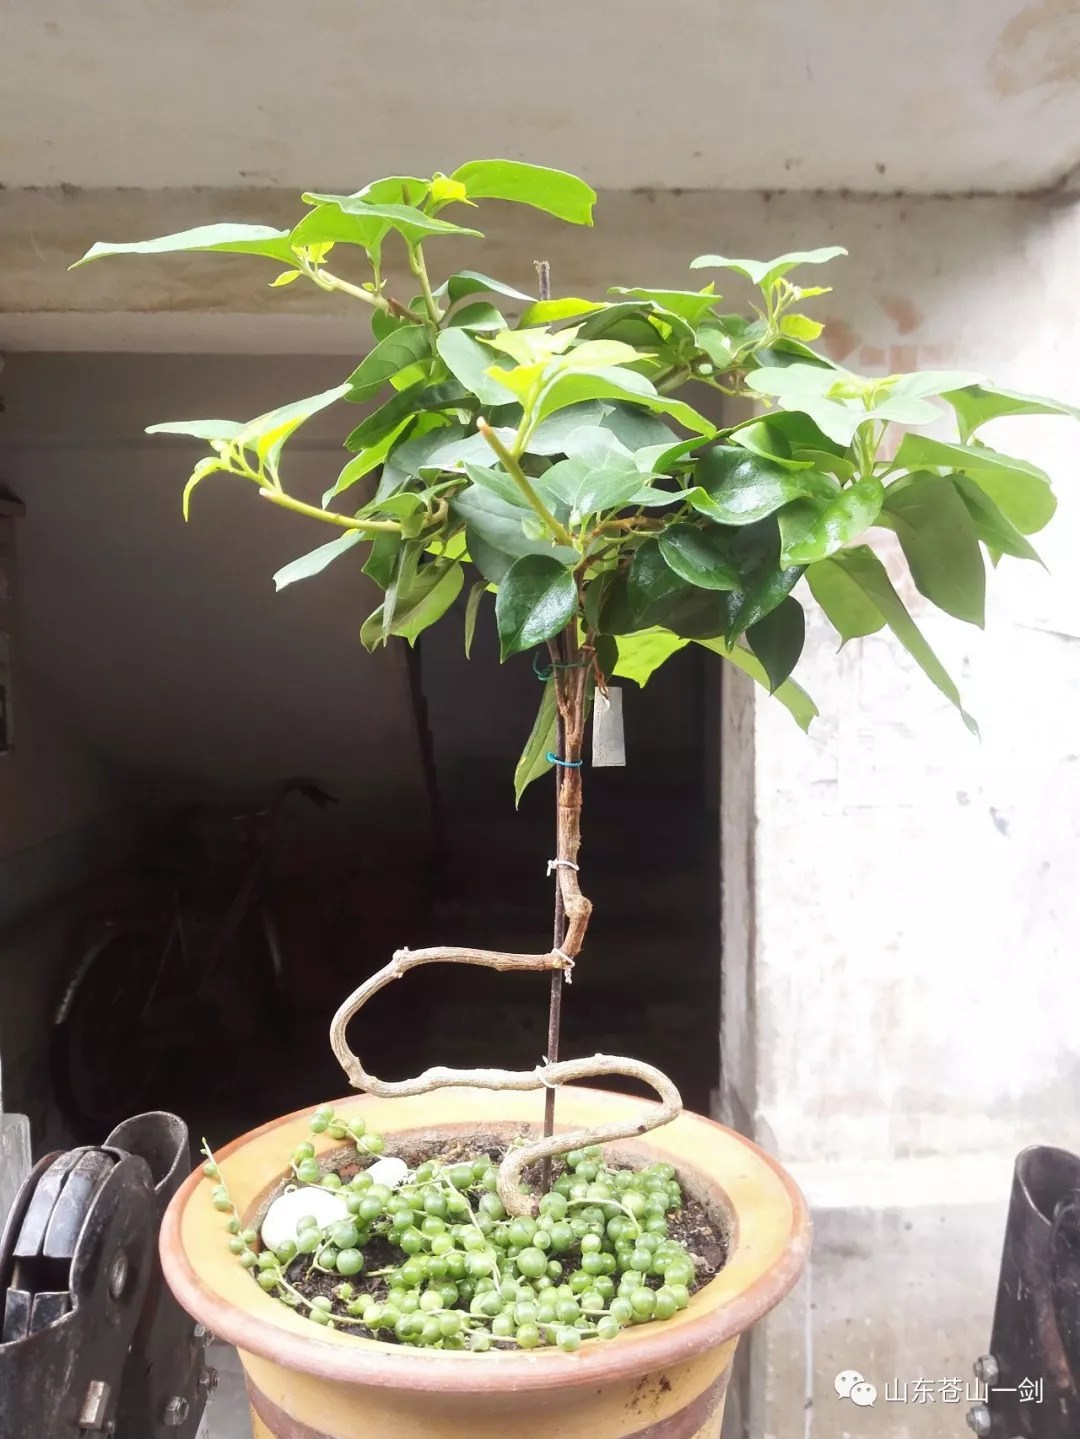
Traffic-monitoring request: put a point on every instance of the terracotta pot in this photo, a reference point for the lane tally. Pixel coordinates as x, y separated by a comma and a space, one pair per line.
664, 1380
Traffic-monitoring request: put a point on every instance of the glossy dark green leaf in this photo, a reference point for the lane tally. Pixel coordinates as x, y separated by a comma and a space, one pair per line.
541, 742
642, 654
811, 530
606, 654
1019, 490
400, 349
938, 537
777, 640
651, 583
607, 605
694, 613
991, 526
766, 588
976, 404
847, 608
862, 565
743, 487
537, 598
223, 238
793, 697
699, 556
316, 561
553, 191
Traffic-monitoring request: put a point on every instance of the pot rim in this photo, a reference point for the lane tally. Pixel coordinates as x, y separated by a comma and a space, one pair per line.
250, 1323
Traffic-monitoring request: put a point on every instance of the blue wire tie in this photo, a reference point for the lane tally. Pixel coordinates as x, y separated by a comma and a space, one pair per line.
565, 763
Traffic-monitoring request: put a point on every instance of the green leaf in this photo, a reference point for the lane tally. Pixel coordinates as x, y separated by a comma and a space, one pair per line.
651, 583
800, 327
427, 597
767, 587
1020, 491
198, 429
382, 560
837, 400
541, 742
699, 556
642, 654
537, 598
472, 609
316, 561
416, 399
496, 482
742, 487
553, 191
366, 461
412, 224
266, 434
777, 640
472, 282
547, 312
976, 404
480, 316
224, 238
495, 534
689, 305
940, 544
397, 352
793, 697
991, 526
765, 272
862, 565
469, 360
812, 530
850, 612
212, 464
571, 387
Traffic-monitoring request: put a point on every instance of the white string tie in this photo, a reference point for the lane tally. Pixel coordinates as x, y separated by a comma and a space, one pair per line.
554, 864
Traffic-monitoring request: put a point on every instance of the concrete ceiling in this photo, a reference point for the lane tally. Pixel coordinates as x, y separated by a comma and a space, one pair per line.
924, 95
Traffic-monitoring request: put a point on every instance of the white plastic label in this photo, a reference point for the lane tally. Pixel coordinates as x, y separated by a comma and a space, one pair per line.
608, 740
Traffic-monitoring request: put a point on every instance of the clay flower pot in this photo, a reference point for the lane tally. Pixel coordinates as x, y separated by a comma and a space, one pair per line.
663, 1380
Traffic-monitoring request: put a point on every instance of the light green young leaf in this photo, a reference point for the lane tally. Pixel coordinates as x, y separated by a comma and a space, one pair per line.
431, 592
642, 654
940, 544
765, 272
266, 434
541, 742
223, 238
792, 696
400, 349
862, 565
316, 561
536, 599
412, 224
976, 404
689, 305
198, 429
813, 529
1021, 491
210, 465
547, 312
553, 191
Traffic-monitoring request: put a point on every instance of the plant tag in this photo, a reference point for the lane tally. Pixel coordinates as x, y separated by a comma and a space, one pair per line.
608, 740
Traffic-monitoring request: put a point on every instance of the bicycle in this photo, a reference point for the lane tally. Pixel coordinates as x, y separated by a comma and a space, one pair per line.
142, 990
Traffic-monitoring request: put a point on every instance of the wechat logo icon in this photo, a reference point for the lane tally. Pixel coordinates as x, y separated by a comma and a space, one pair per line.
850, 1384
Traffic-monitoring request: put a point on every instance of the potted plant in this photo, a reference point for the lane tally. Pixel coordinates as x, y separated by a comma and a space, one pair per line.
527, 1268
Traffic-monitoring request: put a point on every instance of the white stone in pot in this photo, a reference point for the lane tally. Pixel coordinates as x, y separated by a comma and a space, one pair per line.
327, 1206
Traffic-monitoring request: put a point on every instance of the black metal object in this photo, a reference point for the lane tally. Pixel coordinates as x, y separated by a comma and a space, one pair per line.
1032, 1373
91, 1341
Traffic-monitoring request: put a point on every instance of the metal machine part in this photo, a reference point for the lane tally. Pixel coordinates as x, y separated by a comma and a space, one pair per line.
91, 1341
1032, 1371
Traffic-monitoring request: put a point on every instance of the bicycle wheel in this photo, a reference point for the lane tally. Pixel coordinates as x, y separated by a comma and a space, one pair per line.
102, 1067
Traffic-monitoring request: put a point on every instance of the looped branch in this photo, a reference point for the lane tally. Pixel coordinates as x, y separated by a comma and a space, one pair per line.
514, 1196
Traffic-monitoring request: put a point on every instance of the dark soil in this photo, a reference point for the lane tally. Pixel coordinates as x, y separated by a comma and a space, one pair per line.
692, 1226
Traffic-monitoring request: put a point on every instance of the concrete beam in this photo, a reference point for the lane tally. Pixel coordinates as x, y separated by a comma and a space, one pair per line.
225, 303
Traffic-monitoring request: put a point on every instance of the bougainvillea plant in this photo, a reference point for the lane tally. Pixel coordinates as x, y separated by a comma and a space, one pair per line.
553, 453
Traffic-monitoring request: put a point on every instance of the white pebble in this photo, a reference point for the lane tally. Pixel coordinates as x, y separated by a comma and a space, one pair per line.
389, 1171
327, 1206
